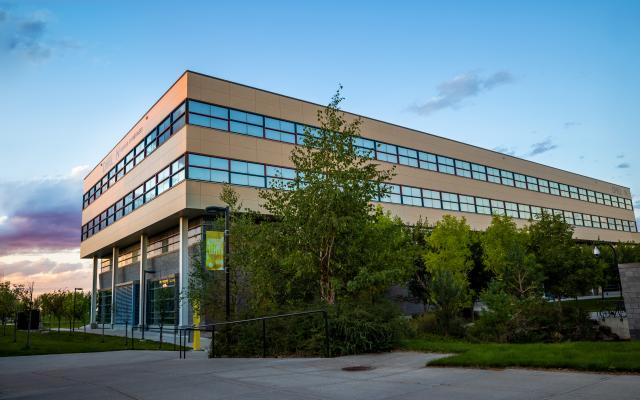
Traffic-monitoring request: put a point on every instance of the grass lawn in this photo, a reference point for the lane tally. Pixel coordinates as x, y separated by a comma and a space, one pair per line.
584, 356
64, 342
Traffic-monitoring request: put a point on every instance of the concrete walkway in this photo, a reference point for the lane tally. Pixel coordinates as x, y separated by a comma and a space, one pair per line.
398, 375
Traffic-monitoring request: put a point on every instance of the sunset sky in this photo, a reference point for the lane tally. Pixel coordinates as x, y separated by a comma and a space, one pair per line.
553, 83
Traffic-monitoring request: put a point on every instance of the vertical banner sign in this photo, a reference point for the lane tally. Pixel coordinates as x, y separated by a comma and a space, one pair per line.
214, 251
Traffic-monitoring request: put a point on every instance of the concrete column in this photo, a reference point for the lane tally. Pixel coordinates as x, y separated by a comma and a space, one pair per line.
630, 282
114, 268
144, 241
94, 292
184, 271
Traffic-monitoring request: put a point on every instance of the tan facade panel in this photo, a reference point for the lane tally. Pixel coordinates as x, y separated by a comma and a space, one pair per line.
156, 114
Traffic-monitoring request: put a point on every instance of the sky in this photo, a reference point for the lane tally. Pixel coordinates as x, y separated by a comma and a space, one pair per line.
549, 81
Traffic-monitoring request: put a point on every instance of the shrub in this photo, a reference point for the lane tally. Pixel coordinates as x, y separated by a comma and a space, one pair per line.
353, 329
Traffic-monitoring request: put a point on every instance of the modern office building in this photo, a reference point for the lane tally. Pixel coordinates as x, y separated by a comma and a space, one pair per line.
143, 203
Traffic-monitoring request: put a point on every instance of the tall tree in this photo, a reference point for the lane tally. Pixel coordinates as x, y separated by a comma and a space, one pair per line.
507, 254
328, 205
448, 262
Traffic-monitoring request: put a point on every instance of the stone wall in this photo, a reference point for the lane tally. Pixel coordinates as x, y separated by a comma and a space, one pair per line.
630, 279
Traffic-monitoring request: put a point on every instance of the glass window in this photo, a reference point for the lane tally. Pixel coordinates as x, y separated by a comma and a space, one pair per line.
200, 108
554, 188
164, 174
586, 218
543, 185
431, 198
445, 165
392, 194
463, 168
536, 212
497, 207
428, 161
177, 177
520, 181
564, 190
483, 206
411, 196
479, 172
467, 204
524, 211
493, 175
150, 184
511, 209
450, 201
507, 177
532, 183
199, 173
177, 165
199, 161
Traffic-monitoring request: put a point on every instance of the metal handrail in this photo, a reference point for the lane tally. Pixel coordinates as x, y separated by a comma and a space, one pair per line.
185, 332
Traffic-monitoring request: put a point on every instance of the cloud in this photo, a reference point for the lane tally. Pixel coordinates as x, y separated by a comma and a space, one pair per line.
80, 171
453, 92
48, 273
542, 147
504, 150
623, 165
40, 215
620, 156
571, 124
27, 36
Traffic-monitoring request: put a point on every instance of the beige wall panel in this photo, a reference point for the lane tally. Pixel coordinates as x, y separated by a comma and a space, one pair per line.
151, 165
265, 102
168, 203
156, 114
243, 98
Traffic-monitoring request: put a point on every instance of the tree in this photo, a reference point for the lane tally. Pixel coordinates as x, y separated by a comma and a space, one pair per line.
568, 270
8, 303
327, 206
507, 254
448, 261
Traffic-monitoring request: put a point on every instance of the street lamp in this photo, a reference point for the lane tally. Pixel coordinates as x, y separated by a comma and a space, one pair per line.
596, 252
73, 316
226, 210
144, 299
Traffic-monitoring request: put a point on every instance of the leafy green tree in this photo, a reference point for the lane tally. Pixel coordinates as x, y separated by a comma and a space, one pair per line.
327, 207
8, 303
448, 262
507, 254
568, 270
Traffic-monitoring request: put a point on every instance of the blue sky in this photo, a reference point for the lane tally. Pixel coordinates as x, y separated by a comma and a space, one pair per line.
554, 82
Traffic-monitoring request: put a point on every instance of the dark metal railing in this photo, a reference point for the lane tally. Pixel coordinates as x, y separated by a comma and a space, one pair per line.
185, 333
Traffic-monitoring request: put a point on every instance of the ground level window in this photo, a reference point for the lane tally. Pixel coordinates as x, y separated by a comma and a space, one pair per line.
161, 302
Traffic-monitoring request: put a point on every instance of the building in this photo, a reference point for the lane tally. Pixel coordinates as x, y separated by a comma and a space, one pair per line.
143, 203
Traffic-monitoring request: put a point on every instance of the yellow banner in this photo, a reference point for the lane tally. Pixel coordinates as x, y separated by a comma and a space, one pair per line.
215, 251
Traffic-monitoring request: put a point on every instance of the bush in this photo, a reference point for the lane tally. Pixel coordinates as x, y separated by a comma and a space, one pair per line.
353, 329
432, 324
530, 320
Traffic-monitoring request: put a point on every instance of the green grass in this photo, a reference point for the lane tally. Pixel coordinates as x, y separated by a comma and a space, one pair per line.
67, 342
583, 356
594, 304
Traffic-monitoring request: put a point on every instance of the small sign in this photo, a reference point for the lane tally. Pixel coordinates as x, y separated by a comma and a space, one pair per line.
214, 250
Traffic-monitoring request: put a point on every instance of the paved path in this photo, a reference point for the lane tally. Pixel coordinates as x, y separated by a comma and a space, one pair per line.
399, 375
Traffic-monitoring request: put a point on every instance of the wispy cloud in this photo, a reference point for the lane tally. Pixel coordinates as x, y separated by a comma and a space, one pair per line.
28, 36
542, 147
505, 150
571, 124
452, 93
620, 156
623, 165
40, 215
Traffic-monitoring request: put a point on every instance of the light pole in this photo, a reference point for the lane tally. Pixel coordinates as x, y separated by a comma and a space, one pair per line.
144, 299
73, 316
596, 252
213, 210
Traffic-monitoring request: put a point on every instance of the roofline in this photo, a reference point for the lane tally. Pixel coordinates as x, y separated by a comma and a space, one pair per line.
136, 123
357, 115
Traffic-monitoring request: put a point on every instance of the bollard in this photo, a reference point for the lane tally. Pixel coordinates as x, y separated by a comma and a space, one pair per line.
264, 338
126, 333
132, 337
327, 351
160, 335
